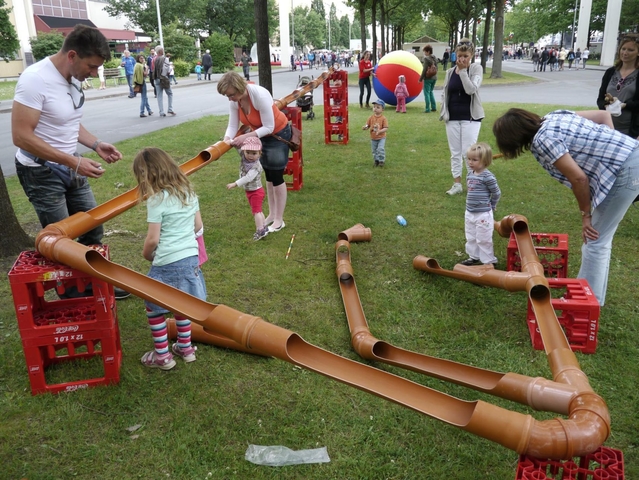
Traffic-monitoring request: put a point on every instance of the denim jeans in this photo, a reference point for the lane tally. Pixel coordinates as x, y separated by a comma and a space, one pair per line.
129, 80
595, 255
379, 150
429, 97
144, 101
54, 202
184, 274
169, 93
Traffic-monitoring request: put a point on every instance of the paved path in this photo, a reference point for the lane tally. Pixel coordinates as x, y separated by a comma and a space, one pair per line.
114, 117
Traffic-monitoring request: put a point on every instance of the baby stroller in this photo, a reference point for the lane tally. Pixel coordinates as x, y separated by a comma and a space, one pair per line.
305, 102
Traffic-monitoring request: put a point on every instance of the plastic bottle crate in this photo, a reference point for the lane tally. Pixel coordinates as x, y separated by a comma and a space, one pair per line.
578, 315
336, 108
295, 165
551, 248
603, 464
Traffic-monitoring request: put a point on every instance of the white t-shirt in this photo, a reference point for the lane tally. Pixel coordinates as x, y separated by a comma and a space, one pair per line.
585, 54
42, 87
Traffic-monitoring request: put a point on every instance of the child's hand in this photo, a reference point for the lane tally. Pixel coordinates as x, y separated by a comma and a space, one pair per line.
366, 127
231, 185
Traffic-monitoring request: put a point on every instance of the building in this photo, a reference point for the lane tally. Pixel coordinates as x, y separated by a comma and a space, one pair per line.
32, 16
416, 47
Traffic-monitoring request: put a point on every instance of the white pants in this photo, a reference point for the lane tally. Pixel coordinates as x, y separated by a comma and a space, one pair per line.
479, 236
461, 135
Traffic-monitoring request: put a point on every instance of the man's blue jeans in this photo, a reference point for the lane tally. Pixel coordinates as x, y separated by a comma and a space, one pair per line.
53, 201
169, 93
129, 79
595, 255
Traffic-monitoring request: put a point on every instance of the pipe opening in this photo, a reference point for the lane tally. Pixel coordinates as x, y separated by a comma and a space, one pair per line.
540, 292
520, 227
432, 263
205, 156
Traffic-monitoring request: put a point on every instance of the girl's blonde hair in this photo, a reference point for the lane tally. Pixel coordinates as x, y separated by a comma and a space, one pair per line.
483, 151
155, 171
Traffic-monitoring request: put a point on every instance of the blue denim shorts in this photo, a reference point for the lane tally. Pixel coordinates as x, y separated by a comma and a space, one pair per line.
185, 275
275, 152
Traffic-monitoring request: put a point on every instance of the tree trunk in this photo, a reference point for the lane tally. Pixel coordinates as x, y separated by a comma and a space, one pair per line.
374, 25
362, 23
13, 239
499, 39
263, 50
486, 41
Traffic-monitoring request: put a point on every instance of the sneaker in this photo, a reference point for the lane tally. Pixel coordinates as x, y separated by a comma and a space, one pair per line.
120, 294
172, 113
381, 164
469, 262
272, 229
260, 234
153, 360
162, 114
142, 115
150, 113
377, 163
455, 189
186, 354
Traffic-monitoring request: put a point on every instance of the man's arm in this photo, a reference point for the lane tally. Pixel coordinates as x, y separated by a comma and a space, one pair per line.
601, 117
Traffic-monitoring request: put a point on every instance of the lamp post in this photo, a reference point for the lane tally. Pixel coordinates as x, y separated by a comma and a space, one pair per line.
157, 7
293, 27
574, 19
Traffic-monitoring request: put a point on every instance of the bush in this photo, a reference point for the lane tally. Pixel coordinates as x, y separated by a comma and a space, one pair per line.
46, 43
182, 68
113, 63
221, 48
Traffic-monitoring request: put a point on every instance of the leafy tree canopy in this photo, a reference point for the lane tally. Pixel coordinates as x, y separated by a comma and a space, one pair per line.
9, 44
46, 43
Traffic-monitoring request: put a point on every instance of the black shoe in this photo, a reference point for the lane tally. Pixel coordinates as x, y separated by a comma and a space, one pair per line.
469, 262
120, 294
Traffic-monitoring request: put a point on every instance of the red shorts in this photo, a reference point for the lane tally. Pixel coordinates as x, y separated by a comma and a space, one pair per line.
255, 199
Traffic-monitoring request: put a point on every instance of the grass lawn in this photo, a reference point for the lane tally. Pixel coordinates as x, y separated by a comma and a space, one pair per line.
197, 420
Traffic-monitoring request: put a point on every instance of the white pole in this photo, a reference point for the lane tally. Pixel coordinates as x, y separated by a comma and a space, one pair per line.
157, 7
611, 27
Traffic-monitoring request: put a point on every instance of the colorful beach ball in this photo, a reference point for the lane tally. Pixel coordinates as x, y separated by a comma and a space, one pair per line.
387, 73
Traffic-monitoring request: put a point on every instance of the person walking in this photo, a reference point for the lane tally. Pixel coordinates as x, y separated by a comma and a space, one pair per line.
584, 57
128, 62
46, 127
599, 164
428, 82
140, 75
162, 84
461, 109
246, 66
207, 65
173, 216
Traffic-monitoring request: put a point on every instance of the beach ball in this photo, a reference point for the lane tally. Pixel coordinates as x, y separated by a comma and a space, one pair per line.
387, 73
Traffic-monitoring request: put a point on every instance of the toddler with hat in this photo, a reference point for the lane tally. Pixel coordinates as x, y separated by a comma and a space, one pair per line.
251, 180
378, 125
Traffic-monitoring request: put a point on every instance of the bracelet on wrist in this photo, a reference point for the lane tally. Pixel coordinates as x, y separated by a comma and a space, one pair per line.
78, 165
95, 144
585, 214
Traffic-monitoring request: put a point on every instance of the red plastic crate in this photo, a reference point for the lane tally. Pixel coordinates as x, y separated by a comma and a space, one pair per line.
578, 314
295, 164
336, 108
551, 248
603, 464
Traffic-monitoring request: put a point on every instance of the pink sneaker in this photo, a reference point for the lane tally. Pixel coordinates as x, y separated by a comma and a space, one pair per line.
187, 354
153, 360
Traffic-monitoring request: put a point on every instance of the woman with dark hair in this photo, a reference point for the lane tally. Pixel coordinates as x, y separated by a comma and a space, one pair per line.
253, 106
600, 165
620, 83
429, 83
365, 72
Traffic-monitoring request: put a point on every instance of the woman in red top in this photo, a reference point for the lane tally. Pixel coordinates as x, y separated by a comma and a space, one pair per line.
365, 71
253, 105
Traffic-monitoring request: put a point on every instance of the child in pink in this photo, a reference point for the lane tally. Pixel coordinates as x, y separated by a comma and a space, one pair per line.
401, 93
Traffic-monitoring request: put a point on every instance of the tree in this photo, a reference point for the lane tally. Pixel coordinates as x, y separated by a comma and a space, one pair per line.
221, 48
499, 38
9, 43
13, 239
180, 45
46, 43
263, 46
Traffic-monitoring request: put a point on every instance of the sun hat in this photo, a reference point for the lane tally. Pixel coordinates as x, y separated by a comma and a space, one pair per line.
252, 143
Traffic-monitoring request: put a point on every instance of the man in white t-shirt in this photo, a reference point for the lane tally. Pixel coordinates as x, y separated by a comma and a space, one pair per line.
584, 56
46, 128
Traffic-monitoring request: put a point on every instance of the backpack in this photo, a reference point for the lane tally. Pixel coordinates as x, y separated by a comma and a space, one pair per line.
431, 71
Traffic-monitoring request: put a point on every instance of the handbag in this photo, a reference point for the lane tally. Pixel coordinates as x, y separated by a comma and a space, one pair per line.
431, 71
296, 138
137, 88
165, 83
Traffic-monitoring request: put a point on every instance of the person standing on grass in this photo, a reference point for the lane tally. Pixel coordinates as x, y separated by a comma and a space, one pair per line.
251, 181
46, 127
173, 216
599, 164
365, 72
401, 94
378, 126
481, 203
461, 109
429, 83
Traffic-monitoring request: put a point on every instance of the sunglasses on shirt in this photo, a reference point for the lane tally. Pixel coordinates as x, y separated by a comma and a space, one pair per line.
81, 101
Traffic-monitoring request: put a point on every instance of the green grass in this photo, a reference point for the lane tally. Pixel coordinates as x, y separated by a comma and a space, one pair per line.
198, 419
7, 88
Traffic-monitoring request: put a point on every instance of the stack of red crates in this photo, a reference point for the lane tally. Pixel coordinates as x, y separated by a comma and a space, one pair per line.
604, 463
54, 330
578, 308
336, 108
295, 162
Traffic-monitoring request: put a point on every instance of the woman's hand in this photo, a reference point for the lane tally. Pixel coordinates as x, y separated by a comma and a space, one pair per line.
462, 62
587, 231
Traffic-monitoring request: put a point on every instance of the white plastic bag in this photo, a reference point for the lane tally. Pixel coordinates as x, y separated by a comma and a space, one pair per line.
278, 455
614, 108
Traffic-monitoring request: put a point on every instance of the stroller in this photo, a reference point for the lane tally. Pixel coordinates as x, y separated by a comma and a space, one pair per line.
305, 102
